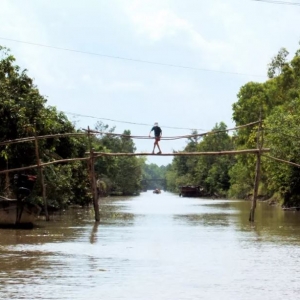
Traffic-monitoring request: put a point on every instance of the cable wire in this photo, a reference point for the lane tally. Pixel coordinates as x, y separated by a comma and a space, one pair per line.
131, 59
278, 2
127, 122
170, 138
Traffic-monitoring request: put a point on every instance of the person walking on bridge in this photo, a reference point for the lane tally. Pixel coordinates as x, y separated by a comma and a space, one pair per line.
157, 135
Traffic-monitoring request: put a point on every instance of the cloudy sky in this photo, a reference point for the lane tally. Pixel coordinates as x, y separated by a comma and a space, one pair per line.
131, 62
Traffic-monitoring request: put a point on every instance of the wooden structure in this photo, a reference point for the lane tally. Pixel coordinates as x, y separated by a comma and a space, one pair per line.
19, 212
190, 191
92, 156
16, 213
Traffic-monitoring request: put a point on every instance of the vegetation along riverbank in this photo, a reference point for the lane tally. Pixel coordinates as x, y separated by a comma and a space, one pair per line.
24, 113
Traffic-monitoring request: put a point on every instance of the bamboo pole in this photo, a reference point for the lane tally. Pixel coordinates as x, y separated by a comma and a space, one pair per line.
7, 181
174, 137
246, 151
40, 137
282, 160
255, 189
41, 174
100, 154
257, 172
93, 179
67, 160
45, 164
18, 169
57, 135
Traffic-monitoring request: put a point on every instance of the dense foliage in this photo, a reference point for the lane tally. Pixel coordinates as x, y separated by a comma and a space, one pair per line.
277, 103
208, 171
24, 113
278, 100
119, 175
154, 177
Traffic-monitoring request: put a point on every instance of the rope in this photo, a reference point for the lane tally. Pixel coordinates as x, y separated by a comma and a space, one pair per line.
94, 132
169, 138
282, 160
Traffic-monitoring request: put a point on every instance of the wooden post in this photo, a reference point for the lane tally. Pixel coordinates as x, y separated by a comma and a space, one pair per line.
93, 179
44, 193
255, 190
257, 172
41, 175
7, 194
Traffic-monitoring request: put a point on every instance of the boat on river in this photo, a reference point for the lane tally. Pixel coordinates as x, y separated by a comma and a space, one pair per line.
157, 191
190, 191
14, 212
19, 211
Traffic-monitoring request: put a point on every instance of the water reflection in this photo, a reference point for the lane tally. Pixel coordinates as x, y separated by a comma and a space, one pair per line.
204, 219
209, 213
155, 247
93, 238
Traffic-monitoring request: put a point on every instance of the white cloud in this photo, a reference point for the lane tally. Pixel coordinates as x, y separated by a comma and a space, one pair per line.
234, 35
227, 36
160, 23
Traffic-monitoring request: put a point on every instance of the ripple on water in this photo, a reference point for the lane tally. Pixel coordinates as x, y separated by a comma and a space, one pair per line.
155, 247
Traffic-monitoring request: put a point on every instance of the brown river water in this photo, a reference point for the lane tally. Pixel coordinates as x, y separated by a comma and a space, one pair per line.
155, 247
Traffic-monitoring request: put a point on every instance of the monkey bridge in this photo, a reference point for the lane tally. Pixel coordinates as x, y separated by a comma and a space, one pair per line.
92, 156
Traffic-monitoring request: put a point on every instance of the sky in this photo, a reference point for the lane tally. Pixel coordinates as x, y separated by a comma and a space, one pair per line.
130, 63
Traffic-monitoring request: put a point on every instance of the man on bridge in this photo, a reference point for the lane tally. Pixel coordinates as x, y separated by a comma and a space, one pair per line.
157, 135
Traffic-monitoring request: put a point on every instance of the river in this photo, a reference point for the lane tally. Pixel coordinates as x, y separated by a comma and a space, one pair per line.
155, 247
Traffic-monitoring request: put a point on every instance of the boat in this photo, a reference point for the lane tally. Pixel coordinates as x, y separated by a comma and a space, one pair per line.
19, 211
156, 191
190, 191
14, 212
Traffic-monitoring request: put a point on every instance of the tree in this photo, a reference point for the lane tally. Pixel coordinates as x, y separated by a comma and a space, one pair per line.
277, 63
120, 174
153, 176
24, 113
213, 171
210, 172
278, 101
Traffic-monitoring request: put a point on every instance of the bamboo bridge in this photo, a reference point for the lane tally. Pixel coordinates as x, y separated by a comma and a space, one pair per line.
91, 156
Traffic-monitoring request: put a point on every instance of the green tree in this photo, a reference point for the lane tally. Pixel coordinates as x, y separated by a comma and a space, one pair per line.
154, 176
213, 171
277, 100
24, 113
120, 174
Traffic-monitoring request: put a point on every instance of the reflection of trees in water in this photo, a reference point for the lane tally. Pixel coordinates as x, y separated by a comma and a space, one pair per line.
271, 223
208, 219
223, 205
14, 262
93, 237
111, 213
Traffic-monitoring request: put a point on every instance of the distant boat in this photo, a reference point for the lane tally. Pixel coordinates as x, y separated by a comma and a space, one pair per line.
190, 191
156, 191
14, 212
19, 211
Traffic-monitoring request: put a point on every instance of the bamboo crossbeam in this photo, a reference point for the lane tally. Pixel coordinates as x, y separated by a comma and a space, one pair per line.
40, 137
18, 169
246, 151
44, 164
64, 161
100, 154
282, 160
